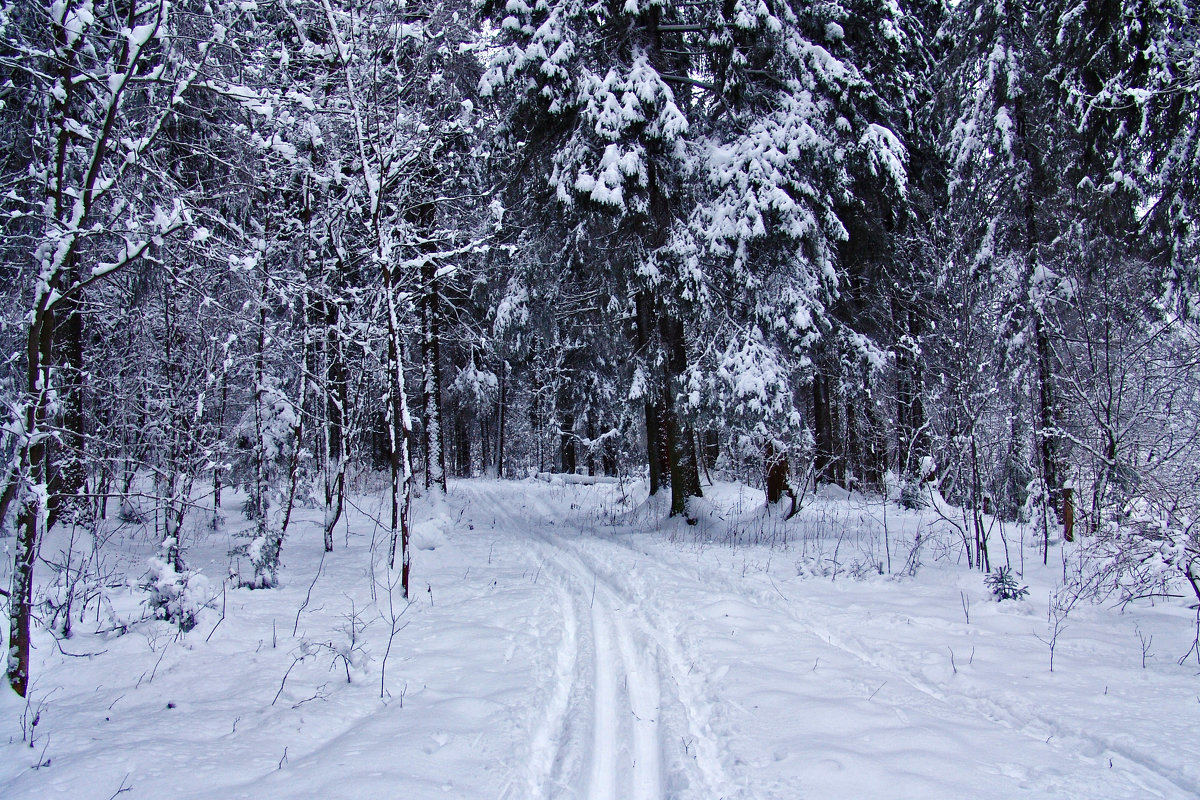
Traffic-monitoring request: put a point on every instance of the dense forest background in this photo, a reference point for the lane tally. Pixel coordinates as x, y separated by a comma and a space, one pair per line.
273, 245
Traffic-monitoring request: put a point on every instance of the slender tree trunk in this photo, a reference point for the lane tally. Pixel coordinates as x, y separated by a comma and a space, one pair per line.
501, 400
1068, 513
981, 545
334, 403
1048, 438
31, 515
823, 430
911, 430
591, 453
298, 425
220, 434
435, 456
399, 431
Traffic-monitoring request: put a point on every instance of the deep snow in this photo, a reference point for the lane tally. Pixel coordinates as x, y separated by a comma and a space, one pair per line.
564, 641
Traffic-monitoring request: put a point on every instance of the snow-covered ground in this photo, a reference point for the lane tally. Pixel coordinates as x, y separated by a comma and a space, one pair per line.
563, 641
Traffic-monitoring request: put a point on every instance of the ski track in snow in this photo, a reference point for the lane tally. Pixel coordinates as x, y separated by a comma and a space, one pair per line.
622, 673
601, 737
598, 596
1022, 718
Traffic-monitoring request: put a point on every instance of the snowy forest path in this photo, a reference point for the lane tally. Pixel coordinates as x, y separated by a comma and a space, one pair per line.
623, 717
574, 643
674, 677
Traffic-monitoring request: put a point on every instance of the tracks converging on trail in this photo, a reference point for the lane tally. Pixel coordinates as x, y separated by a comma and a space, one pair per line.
635, 702
618, 722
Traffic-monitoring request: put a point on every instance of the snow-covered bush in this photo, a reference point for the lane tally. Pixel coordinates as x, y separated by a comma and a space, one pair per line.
262, 551
175, 596
1144, 554
276, 425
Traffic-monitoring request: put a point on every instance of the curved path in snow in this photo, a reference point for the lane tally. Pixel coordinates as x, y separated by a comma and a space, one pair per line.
675, 679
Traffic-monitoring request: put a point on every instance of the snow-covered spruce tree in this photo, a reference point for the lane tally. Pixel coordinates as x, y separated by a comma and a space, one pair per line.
715, 149
802, 172
897, 247
597, 98
1164, 87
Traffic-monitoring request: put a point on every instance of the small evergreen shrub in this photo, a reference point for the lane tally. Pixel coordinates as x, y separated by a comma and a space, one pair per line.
1004, 585
177, 597
911, 496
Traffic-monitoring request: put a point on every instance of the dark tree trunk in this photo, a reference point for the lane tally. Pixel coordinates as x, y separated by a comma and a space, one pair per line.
566, 444
220, 425
911, 431
462, 446
501, 396
611, 465
1068, 513
853, 449
777, 470
875, 454
681, 436
710, 447
67, 473
823, 430
485, 445
654, 434
1050, 443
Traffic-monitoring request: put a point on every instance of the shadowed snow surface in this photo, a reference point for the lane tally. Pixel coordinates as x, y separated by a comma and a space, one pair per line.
564, 642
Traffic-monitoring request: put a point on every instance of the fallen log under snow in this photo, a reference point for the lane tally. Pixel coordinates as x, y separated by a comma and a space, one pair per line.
571, 477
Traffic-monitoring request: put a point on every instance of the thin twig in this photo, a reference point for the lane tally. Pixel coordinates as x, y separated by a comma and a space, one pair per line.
122, 788
283, 682
222, 619
308, 596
